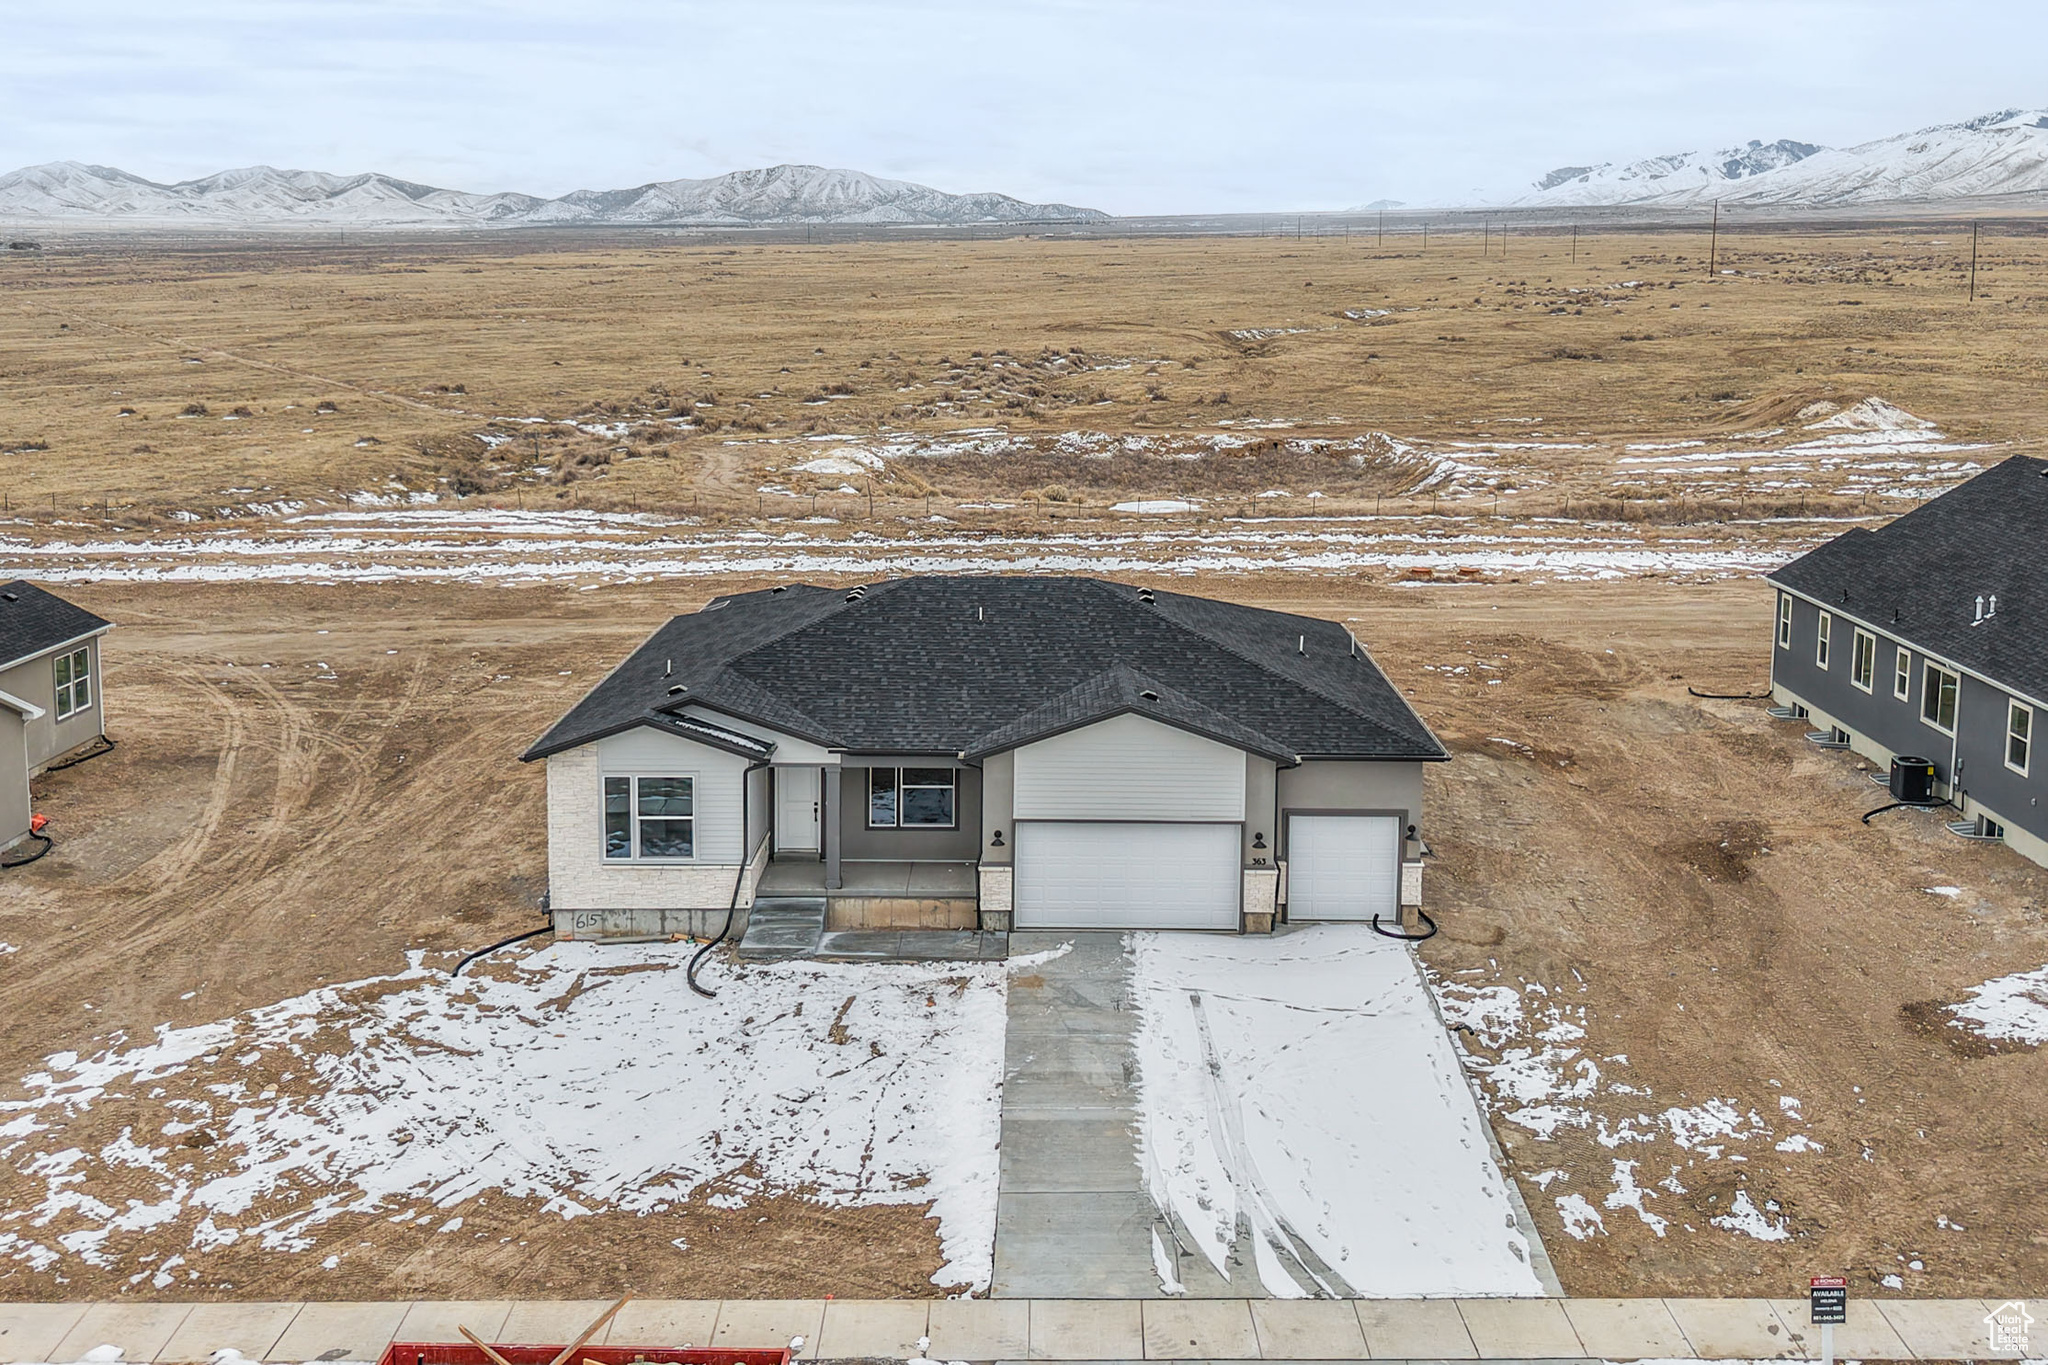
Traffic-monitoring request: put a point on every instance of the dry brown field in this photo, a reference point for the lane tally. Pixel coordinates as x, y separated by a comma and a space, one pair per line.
1686, 879
146, 377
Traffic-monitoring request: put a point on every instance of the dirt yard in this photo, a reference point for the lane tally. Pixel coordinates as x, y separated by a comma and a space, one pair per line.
312, 780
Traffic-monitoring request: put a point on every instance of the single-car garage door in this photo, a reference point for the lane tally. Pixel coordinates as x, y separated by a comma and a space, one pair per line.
1343, 867
1118, 875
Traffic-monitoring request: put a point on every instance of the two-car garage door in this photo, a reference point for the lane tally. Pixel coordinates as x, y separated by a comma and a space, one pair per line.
1127, 875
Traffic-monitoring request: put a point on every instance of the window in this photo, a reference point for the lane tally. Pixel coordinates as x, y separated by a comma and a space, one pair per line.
1863, 660
1784, 621
1902, 675
1820, 639
2019, 735
1938, 699
650, 817
911, 798
74, 682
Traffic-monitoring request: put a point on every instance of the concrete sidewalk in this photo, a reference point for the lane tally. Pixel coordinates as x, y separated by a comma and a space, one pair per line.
1030, 1329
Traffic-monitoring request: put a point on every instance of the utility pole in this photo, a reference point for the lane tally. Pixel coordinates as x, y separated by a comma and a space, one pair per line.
1973, 260
1575, 243
1714, 238
1425, 236
1383, 229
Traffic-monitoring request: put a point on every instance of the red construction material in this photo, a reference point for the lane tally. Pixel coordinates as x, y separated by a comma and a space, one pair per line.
462, 1353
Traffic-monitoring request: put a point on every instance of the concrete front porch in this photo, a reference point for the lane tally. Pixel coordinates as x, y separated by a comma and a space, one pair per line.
881, 895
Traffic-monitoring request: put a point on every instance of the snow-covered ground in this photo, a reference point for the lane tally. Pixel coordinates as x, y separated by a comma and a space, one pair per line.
1529, 1052
507, 546
1872, 446
2009, 1008
1304, 1085
588, 1077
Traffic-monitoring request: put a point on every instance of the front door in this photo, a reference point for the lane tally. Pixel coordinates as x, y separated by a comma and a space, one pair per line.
796, 810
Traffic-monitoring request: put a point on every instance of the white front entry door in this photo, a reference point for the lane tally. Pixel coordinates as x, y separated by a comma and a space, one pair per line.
1343, 867
1128, 875
796, 810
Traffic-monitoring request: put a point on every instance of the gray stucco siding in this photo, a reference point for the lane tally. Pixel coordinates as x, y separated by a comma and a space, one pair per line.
1350, 785
34, 680
15, 806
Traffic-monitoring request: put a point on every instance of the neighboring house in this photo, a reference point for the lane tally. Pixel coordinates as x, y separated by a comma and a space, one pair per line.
1928, 639
969, 752
49, 692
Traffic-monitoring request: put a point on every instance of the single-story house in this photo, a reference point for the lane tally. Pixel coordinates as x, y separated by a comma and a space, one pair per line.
50, 705
986, 752
1928, 638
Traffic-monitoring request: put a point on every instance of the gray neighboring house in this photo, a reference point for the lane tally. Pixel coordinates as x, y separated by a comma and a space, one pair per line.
1928, 638
986, 752
50, 704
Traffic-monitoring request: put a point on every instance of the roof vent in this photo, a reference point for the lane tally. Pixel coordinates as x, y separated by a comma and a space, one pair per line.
779, 587
857, 593
1145, 596
10, 596
1149, 695
678, 690
1301, 644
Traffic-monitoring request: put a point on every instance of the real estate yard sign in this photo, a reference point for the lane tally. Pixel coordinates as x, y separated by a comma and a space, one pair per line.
1827, 1303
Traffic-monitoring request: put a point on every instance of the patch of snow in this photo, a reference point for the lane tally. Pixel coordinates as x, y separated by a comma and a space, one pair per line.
1745, 1217
1629, 1195
2011, 1008
1164, 1268
1156, 505
585, 1074
1241, 1116
1580, 1218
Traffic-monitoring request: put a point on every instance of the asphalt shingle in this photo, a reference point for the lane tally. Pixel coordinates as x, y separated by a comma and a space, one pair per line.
975, 664
32, 621
1919, 578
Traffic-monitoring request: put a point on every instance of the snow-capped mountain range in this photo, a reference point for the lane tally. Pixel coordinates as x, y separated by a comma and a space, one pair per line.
263, 197
2003, 154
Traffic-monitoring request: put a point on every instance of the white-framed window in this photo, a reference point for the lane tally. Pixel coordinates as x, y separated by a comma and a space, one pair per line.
649, 818
1938, 689
1822, 632
913, 798
1784, 621
2019, 736
1902, 674
74, 682
1863, 660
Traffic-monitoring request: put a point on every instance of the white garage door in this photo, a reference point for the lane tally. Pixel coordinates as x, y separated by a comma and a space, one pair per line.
1343, 867
1114, 875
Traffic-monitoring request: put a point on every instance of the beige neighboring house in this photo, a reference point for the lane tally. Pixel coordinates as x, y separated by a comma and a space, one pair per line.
50, 706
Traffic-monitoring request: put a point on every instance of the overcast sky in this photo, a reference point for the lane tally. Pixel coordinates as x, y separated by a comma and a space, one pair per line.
1134, 106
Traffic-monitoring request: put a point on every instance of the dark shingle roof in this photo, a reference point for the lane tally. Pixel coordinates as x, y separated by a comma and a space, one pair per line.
32, 621
976, 665
1919, 578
